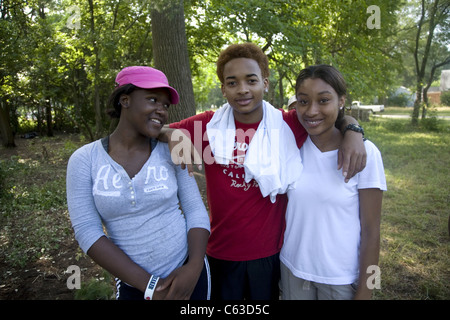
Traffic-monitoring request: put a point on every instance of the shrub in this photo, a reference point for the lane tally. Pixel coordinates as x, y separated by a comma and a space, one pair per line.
445, 98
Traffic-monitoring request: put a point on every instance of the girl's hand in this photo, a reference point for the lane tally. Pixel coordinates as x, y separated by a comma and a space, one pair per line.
352, 155
180, 284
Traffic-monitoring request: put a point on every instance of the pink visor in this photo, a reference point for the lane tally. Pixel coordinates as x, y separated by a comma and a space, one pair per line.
146, 78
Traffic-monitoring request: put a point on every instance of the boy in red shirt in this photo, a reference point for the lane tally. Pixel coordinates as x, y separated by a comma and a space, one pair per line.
246, 227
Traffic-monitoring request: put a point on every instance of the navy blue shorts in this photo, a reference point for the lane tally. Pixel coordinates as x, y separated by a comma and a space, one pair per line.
202, 290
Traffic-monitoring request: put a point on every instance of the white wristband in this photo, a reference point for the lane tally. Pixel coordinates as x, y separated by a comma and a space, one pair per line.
151, 286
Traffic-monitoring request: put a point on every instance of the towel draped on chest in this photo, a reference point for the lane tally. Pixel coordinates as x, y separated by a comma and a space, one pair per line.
272, 159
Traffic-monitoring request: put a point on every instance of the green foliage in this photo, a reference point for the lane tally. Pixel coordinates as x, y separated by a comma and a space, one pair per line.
48, 59
400, 100
445, 98
100, 288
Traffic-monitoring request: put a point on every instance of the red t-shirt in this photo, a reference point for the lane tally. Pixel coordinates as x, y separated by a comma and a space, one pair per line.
244, 224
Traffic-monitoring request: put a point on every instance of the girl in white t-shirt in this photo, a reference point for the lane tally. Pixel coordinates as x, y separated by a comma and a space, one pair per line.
331, 242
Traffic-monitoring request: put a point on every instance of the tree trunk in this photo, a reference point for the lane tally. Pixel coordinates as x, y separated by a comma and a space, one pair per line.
415, 114
430, 81
97, 106
425, 102
170, 53
6, 132
420, 68
280, 88
48, 117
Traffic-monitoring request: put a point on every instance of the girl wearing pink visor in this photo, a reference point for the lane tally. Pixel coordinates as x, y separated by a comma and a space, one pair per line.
127, 184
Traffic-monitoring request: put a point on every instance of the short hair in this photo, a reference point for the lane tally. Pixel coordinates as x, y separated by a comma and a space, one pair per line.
245, 50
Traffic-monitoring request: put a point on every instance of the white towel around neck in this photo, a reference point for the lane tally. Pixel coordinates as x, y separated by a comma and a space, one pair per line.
272, 159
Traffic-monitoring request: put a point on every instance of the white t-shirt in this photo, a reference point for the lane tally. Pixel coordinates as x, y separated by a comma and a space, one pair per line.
322, 237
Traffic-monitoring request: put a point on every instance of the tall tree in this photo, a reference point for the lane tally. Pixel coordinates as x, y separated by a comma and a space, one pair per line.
13, 30
170, 53
433, 14
96, 80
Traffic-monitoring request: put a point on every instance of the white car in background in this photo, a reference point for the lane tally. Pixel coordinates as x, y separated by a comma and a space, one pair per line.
371, 108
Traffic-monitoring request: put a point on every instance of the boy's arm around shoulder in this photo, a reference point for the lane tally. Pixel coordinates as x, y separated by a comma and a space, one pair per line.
180, 137
182, 150
352, 154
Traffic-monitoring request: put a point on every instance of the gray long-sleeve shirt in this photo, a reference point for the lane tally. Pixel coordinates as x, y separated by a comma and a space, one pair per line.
142, 214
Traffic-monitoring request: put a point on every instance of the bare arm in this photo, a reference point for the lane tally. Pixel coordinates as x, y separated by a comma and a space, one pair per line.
114, 260
181, 148
352, 153
370, 214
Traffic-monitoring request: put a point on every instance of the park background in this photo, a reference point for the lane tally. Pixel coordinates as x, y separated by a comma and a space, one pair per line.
57, 69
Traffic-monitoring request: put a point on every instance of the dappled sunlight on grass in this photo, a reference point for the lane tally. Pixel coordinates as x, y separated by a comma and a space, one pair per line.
33, 214
415, 243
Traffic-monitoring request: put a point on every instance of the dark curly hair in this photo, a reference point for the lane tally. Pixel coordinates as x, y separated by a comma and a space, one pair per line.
245, 50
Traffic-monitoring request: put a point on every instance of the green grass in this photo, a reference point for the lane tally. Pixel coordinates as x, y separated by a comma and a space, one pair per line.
415, 246
33, 211
96, 288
